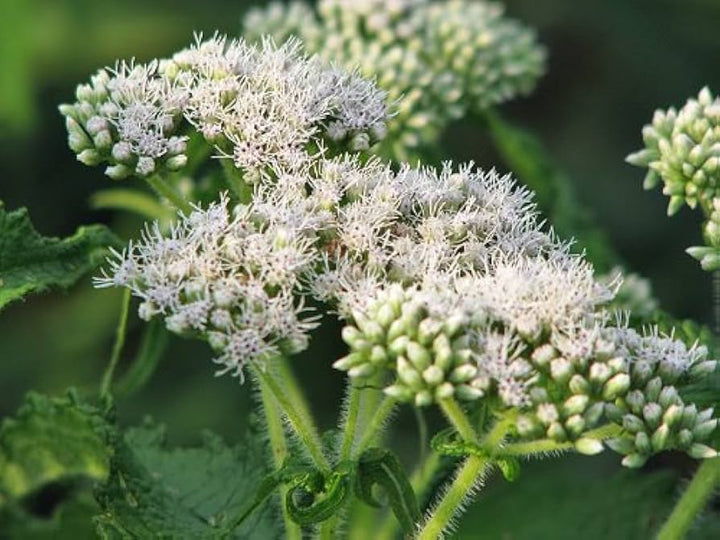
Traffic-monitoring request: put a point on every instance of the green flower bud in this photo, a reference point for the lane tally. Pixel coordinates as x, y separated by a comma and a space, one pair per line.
632, 423
701, 451
634, 461
589, 447
576, 404
653, 388
652, 413
659, 438
575, 425
418, 355
556, 432
621, 445
642, 443
616, 386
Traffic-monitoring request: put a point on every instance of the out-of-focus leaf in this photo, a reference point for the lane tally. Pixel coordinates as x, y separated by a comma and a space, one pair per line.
156, 491
32, 263
50, 440
71, 520
16, 84
570, 499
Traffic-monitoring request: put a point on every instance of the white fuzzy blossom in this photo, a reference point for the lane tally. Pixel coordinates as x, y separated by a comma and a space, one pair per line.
437, 60
261, 106
226, 277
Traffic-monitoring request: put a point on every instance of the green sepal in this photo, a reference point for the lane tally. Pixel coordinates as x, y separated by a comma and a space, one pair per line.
378, 466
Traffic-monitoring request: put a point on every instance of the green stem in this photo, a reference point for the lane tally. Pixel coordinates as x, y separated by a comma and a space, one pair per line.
117, 346
386, 407
458, 419
301, 422
693, 501
350, 422
163, 189
153, 346
276, 433
469, 473
543, 446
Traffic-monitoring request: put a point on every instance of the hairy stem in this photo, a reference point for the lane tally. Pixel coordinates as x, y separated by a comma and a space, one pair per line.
451, 503
117, 346
459, 420
386, 407
301, 422
350, 420
163, 189
693, 501
542, 446
278, 443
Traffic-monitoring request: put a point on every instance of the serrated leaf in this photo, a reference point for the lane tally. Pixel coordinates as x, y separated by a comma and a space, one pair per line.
32, 263
49, 440
156, 491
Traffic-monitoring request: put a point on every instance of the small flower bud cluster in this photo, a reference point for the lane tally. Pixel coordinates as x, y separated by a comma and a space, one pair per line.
682, 148
578, 374
436, 60
261, 106
226, 279
430, 355
653, 415
129, 118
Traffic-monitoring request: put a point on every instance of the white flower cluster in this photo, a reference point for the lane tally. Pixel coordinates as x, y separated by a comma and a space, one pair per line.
226, 278
437, 60
262, 106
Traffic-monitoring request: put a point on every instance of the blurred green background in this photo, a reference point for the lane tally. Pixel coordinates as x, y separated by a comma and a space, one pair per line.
611, 63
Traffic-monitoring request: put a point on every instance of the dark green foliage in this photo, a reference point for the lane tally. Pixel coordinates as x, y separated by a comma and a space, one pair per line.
197, 492
31, 263
51, 440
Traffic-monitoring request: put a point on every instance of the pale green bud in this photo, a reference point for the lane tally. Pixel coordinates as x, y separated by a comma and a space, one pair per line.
576, 404
589, 447
701, 451
444, 391
634, 461
418, 355
642, 443
616, 386
632, 423
468, 393
575, 425
659, 439
652, 412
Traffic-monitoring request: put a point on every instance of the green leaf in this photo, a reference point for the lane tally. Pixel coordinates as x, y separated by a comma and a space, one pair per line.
31, 263
556, 499
51, 440
380, 466
70, 520
156, 491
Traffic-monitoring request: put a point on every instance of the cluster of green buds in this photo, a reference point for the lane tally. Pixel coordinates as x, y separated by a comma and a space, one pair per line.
436, 60
126, 119
570, 394
430, 355
682, 148
655, 418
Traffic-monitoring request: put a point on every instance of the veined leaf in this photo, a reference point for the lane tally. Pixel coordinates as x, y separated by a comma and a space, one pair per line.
49, 440
155, 491
31, 263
